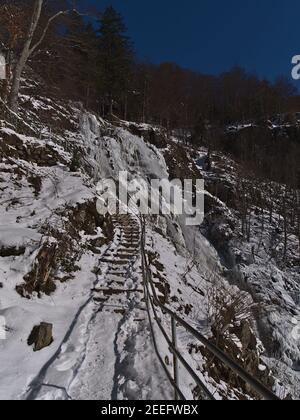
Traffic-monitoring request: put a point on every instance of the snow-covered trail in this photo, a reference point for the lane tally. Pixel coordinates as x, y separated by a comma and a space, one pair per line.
123, 363
108, 353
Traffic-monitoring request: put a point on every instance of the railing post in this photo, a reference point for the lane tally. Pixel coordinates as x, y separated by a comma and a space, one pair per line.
175, 360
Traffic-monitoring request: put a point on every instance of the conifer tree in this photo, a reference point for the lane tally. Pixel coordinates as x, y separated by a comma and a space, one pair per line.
81, 56
116, 60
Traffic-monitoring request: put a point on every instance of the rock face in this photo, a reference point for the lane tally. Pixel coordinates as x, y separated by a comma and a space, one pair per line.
41, 336
150, 135
13, 146
40, 279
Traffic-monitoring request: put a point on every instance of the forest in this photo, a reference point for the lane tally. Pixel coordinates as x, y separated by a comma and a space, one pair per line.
87, 56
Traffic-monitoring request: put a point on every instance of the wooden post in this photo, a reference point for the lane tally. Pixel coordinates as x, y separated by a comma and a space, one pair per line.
175, 361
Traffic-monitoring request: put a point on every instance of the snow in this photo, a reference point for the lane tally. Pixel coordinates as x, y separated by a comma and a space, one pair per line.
90, 345
13, 236
102, 348
19, 364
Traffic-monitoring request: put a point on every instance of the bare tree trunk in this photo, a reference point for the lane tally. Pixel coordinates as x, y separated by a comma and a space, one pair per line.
17, 73
27, 50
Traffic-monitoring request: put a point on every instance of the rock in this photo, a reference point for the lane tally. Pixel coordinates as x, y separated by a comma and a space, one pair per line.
41, 336
36, 183
248, 339
40, 279
150, 135
12, 251
188, 309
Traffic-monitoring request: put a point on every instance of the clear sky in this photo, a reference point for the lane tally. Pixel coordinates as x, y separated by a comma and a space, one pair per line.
212, 36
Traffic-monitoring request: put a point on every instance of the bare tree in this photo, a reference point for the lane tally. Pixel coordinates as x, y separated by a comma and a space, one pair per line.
29, 48
12, 18
226, 308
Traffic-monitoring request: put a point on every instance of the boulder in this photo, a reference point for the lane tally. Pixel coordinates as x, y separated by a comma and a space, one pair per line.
41, 336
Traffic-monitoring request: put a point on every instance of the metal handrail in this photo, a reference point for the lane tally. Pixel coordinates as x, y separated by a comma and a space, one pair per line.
174, 350
257, 386
169, 376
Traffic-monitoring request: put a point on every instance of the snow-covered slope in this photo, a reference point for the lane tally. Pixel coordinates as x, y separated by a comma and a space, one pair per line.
64, 264
256, 265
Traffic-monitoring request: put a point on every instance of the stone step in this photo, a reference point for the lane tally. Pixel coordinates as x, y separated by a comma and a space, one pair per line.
119, 270
125, 255
130, 235
130, 244
133, 251
100, 299
116, 277
122, 274
116, 291
133, 242
115, 261
124, 221
136, 249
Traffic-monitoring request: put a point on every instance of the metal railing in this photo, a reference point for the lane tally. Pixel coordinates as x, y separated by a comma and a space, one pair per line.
152, 303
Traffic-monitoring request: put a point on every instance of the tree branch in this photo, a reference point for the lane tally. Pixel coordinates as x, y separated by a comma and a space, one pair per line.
57, 15
54, 17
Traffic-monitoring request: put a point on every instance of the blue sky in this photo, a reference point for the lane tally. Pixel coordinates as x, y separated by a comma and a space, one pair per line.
212, 36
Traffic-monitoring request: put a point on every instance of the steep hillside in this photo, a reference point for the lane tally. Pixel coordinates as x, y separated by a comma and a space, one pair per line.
63, 263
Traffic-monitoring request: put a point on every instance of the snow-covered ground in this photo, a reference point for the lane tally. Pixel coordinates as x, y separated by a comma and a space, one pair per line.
100, 350
102, 346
